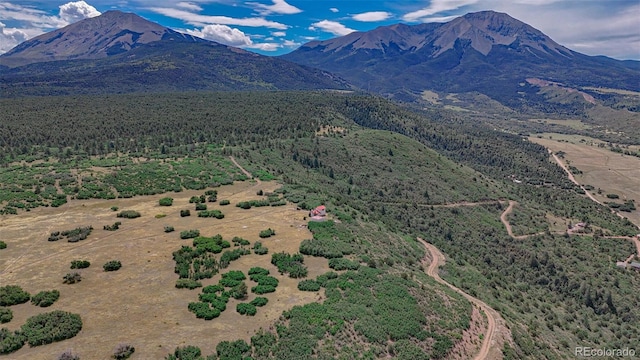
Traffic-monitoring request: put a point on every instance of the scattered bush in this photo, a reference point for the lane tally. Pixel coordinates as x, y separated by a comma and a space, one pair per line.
113, 227
166, 201
258, 249
114, 208
188, 352
72, 278
188, 284
229, 350
267, 233
201, 206
246, 309
343, 264
113, 265
185, 213
5, 315
238, 241
203, 310
3, 245
259, 301
231, 255
257, 271
197, 199
224, 202
72, 236
613, 196
45, 298
212, 289
10, 342
160, 216
13, 295
80, 264
308, 285
169, 229
292, 264
252, 203
123, 351
213, 244
189, 234
50, 327
68, 355
211, 213
239, 291
263, 289
129, 214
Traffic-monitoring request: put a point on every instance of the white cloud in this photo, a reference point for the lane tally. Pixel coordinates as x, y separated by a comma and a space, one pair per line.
10, 37
189, 6
278, 7
334, 10
75, 11
372, 16
265, 46
279, 33
333, 27
435, 7
291, 43
201, 20
222, 34
33, 18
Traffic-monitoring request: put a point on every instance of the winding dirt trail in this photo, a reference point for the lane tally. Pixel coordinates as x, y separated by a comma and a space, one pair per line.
497, 332
573, 179
233, 160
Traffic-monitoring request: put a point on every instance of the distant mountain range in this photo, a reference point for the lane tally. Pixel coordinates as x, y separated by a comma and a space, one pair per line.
488, 52
120, 52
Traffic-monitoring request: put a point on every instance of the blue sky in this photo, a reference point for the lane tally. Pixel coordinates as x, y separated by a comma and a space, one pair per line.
273, 27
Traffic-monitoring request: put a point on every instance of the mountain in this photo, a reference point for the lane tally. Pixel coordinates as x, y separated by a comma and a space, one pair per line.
120, 52
487, 52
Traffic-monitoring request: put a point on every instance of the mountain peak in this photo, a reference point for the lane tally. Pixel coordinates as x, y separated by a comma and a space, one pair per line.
111, 33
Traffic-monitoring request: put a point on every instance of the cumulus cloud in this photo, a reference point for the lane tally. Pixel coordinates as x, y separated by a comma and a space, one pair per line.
189, 6
278, 7
334, 10
222, 34
372, 16
279, 33
265, 46
202, 20
437, 6
75, 11
10, 37
332, 27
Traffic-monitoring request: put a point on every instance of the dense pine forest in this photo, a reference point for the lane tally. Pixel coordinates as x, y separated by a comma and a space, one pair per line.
387, 173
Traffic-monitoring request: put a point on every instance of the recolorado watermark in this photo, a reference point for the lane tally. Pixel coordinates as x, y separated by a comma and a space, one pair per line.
585, 351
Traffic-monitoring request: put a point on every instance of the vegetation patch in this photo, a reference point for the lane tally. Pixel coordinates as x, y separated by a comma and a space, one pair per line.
3, 245
260, 249
74, 235
5, 315
13, 295
211, 213
166, 201
292, 264
50, 327
123, 352
267, 233
72, 278
189, 234
80, 264
129, 214
112, 265
113, 227
45, 298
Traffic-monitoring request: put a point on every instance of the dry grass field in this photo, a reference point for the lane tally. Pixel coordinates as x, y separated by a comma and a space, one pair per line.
601, 168
139, 304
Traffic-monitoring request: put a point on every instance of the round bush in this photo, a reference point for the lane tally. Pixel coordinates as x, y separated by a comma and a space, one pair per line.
167, 201
5, 315
45, 298
50, 327
13, 295
3, 245
112, 265
246, 309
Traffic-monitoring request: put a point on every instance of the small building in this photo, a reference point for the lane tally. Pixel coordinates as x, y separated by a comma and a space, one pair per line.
621, 264
635, 265
319, 211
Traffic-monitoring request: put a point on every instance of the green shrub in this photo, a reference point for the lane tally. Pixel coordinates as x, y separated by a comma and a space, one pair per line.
201, 206
259, 301
5, 315
308, 285
188, 284
292, 264
80, 264
212, 289
185, 213
13, 295
114, 208
224, 202
263, 289
238, 241
10, 342
613, 196
258, 271
239, 291
197, 199
3, 245
169, 229
189, 234
228, 282
188, 352
123, 351
113, 227
246, 309
129, 214
258, 249
230, 350
50, 327
166, 201
267, 233
113, 265
68, 355
235, 275
72, 278
75, 235
265, 280
203, 310
211, 213
45, 298
343, 264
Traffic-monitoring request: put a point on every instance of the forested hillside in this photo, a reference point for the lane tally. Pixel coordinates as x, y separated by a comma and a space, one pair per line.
389, 175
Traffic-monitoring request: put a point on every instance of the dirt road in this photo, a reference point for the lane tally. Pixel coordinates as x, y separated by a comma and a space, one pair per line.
573, 179
497, 332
